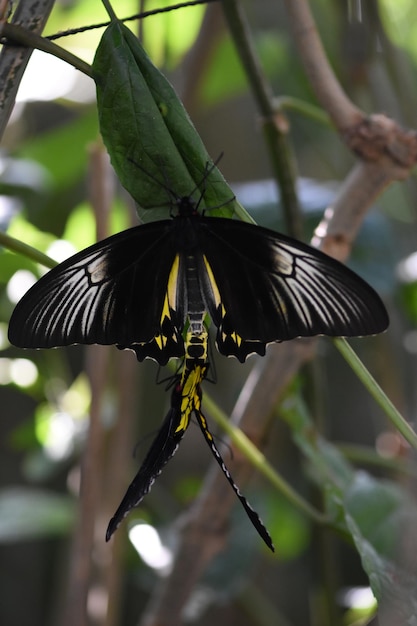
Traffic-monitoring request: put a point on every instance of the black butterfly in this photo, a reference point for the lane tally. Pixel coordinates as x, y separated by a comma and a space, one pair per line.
185, 401
139, 288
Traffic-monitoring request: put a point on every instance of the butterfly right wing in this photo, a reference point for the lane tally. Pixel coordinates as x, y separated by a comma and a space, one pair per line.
118, 291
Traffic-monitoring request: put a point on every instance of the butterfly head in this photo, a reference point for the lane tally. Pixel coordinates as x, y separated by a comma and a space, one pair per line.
187, 206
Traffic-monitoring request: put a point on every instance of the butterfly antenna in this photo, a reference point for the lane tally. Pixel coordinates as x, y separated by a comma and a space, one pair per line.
154, 178
202, 184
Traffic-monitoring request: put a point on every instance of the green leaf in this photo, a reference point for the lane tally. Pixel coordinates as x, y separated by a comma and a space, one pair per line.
378, 514
152, 142
390, 507
381, 519
30, 513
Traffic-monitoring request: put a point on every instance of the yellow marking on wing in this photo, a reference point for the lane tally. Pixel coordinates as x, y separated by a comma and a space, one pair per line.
171, 292
173, 283
215, 289
166, 313
236, 338
160, 341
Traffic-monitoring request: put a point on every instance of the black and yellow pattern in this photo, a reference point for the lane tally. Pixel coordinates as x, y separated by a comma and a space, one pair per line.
140, 288
185, 397
185, 401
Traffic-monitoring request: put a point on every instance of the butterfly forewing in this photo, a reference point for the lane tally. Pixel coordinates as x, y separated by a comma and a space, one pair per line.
114, 292
273, 288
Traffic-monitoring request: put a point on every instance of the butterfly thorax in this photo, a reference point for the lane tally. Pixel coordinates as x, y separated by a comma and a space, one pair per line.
190, 260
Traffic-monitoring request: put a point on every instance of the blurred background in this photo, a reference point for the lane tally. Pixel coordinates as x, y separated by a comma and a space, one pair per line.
45, 160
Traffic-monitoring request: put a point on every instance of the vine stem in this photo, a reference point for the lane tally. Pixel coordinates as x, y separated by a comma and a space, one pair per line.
28, 251
376, 392
258, 460
112, 15
29, 39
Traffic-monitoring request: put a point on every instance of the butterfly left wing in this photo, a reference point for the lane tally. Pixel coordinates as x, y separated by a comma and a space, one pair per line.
121, 291
261, 286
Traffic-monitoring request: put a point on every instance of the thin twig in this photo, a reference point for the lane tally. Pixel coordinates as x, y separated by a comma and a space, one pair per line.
17, 37
199, 57
323, 80
15, 245
108, 6
75, 610
275, 130
137, 16
116, 477
376, 392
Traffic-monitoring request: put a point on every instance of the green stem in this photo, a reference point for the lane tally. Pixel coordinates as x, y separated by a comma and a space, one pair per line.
259, 461
365, 455
112, 15
376, 392
304, 108
24, 249
22, 36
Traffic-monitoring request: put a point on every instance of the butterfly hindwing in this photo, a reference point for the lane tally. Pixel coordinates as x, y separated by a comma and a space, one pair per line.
185, 394
161, 451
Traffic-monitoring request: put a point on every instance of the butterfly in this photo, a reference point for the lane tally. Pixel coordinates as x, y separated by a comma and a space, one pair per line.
186, 400
140, 288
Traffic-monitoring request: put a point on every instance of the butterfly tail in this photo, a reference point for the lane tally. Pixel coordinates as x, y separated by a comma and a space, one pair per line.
161, 451
251, 513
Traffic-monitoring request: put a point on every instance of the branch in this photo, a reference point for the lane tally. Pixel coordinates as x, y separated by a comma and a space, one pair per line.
375, 138
275, 126
326, 86
97, 358
18, 37
31, 15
